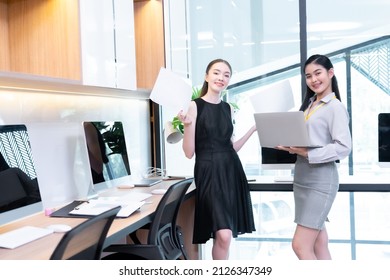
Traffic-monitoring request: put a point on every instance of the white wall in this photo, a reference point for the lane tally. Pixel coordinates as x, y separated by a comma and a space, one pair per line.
108, 43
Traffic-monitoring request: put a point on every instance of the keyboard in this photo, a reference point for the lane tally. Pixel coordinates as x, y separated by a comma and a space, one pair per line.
287, 178
18, 237
120, 196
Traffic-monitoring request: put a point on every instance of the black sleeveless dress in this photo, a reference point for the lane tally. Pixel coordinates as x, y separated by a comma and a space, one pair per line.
222, 192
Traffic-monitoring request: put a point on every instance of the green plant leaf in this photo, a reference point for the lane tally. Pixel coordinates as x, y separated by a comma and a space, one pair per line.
115, 139
235, 106
195, 92
177, 124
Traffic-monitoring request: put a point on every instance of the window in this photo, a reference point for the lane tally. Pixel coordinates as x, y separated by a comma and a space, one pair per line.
264, 49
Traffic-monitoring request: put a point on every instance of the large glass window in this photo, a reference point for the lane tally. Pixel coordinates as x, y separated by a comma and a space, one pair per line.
333, 25
245, 32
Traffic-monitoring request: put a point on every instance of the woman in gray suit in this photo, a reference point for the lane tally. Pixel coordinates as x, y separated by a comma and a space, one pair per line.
316, 180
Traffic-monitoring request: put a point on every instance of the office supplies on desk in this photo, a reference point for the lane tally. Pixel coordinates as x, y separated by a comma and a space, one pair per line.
125, 187
23, 235
63, 212
124, 196
121, 226
114, 198
283, 129
59, 228
158, 191
168, 178
147, 182
98, 206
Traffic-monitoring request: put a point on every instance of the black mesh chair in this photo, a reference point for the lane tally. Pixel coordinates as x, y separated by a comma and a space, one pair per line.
165, 239
85, 241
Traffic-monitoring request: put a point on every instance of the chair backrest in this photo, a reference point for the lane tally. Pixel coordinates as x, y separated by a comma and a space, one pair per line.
163, 227
85, 241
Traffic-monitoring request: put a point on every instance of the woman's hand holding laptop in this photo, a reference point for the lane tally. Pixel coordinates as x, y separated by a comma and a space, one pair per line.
294, 150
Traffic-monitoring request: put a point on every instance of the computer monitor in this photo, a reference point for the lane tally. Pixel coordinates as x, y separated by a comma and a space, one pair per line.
107, 152
273, 159
19, 189
384, 140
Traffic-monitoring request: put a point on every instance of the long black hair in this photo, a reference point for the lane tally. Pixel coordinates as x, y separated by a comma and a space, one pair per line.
205, 83
327, 64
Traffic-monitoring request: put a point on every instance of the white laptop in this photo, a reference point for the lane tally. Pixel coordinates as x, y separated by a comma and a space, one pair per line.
283, 129
277, 97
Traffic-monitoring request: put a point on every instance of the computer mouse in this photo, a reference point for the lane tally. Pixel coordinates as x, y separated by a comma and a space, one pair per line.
158, 191
59, 227
125, 187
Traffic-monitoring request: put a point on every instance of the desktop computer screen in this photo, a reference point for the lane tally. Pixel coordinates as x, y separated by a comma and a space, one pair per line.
107, 152
19, 187
384, 139
277, 159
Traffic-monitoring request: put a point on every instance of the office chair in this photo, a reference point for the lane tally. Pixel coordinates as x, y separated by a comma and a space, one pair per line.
165, 239
85, 241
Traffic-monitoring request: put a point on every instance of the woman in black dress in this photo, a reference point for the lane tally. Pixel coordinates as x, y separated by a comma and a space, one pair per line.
223, 206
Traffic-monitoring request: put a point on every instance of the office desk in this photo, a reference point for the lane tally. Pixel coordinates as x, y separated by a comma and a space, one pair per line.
42, 249
347, 184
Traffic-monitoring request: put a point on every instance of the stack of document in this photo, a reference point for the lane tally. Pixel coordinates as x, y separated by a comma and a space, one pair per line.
95, 207
129, 201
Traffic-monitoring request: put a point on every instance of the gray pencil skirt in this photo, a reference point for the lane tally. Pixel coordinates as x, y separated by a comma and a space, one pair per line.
315, 188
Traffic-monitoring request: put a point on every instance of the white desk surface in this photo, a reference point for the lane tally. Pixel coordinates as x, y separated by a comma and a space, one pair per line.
369, 183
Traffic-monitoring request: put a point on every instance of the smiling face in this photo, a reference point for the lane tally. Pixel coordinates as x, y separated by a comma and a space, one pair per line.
218, 77
318, 79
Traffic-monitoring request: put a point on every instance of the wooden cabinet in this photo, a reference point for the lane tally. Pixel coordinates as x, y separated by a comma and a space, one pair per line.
4, 42
90, 41
40, 37
149, 38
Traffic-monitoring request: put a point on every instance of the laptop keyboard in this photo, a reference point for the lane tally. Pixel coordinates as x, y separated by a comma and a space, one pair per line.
18, 237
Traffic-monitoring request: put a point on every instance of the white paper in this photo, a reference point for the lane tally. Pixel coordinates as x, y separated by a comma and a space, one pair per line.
275, 98
96, 207
172, 91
